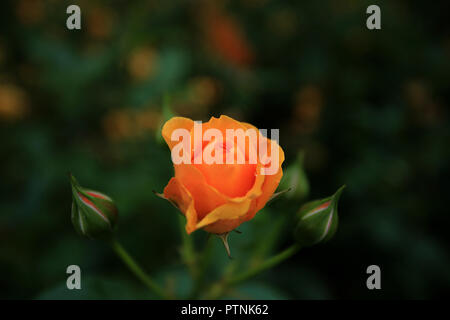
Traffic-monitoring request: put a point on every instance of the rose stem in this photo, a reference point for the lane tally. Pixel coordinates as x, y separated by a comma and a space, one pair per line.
269, 263
136, 269
203, 264
187, 252
218, 289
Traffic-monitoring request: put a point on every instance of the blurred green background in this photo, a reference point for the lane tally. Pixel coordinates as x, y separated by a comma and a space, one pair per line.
368, 108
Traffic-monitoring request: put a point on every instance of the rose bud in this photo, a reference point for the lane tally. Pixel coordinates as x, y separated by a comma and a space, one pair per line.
94, 214
295, 180
218, 197
318, 220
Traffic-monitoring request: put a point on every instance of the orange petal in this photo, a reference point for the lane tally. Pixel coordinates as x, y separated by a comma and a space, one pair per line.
232, 179
173, 124
227, 211
206, 198
226, 225
223, 123
177, 193
271, 182
224, 217
196, 183
270, 185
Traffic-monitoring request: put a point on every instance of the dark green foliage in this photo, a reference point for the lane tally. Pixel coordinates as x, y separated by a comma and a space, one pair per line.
368, 108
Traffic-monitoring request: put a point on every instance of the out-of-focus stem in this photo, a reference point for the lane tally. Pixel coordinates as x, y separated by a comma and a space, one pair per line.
269, 263
137, 270
202, 265
219, 288
187, 250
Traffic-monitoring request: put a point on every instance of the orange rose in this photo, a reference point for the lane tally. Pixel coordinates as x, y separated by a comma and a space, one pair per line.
218, 197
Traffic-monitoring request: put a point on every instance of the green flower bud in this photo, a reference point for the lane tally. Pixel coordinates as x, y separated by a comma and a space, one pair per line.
318, 220
295, 180
94, 214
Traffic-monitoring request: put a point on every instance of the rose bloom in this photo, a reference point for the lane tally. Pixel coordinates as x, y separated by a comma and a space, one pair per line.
220, 197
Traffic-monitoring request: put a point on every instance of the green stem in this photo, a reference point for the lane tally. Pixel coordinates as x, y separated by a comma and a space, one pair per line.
136, 269
218, 289
187, 251
269, 263
202, 266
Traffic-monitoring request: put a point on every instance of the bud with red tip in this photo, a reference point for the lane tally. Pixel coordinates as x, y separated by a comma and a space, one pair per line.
318, 220
94, 214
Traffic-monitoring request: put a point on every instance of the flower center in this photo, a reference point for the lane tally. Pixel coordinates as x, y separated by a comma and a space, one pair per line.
232, 179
